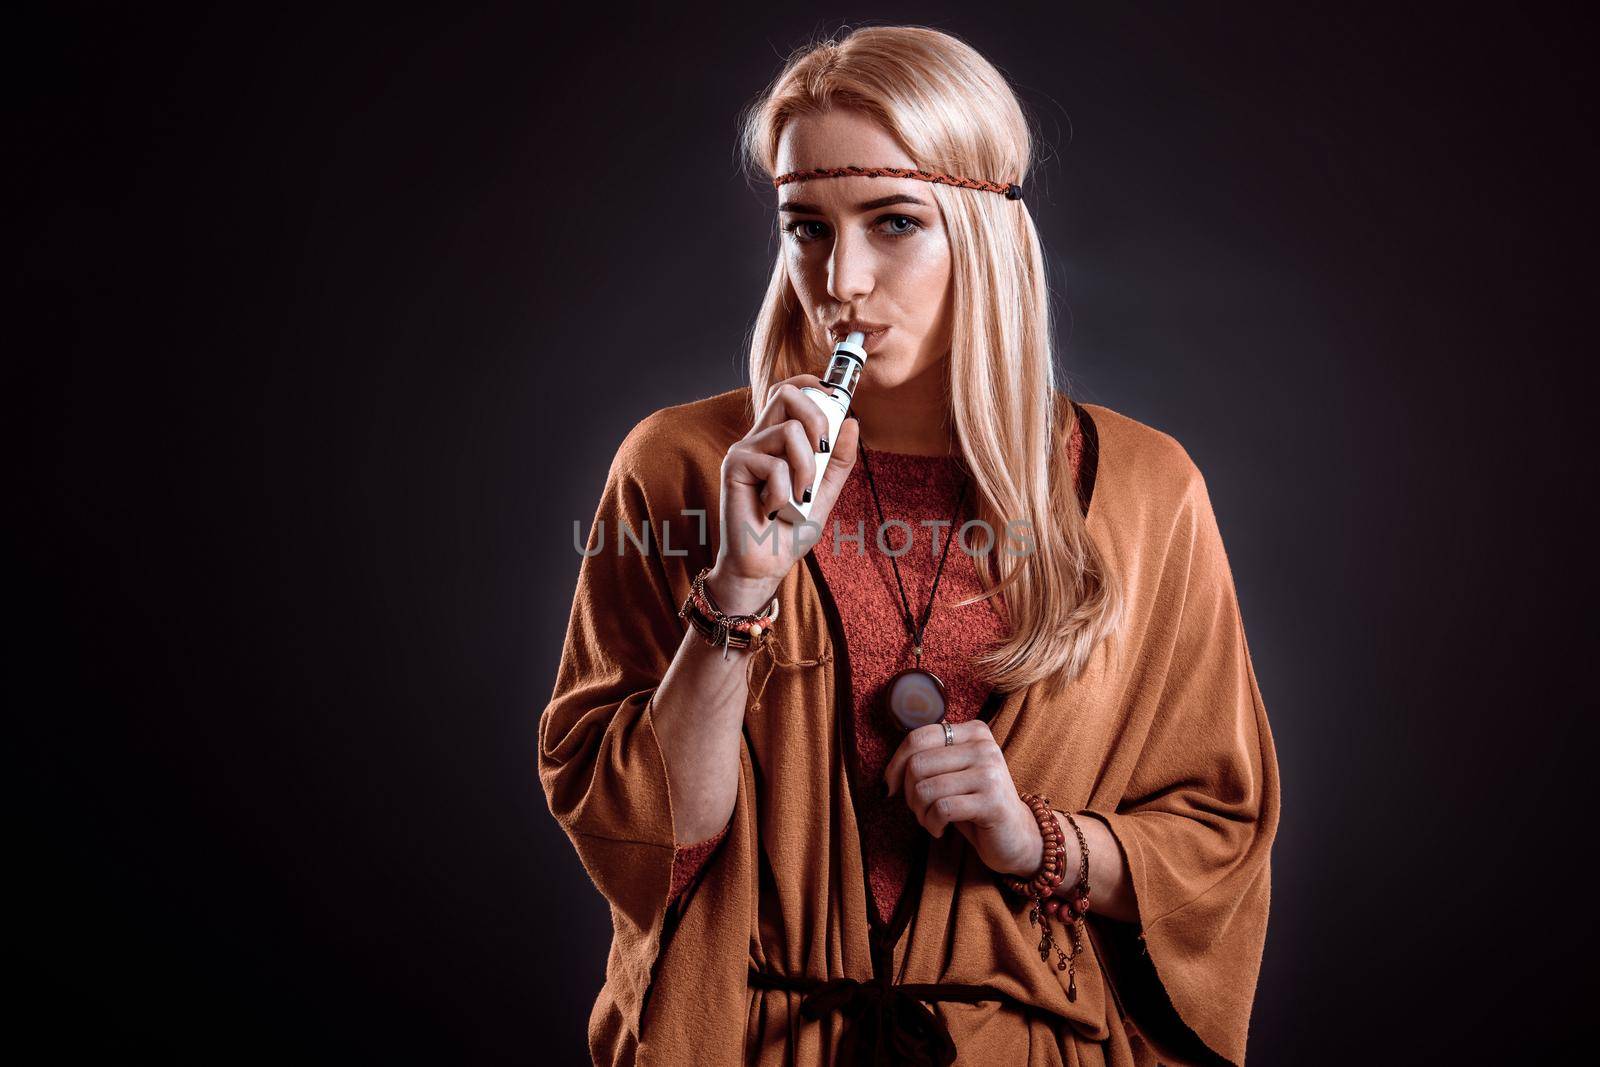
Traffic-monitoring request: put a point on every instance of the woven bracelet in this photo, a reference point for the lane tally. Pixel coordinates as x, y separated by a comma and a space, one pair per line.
701, 611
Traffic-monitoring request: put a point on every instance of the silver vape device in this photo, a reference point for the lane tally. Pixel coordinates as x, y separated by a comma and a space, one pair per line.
849, 358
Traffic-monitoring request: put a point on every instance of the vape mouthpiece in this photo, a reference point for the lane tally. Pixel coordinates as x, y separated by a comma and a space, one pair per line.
855, 339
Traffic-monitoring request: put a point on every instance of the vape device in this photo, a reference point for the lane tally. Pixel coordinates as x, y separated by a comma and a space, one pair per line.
849, 357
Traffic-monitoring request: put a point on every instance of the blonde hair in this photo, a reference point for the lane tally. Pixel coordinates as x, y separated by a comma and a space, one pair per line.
952, 111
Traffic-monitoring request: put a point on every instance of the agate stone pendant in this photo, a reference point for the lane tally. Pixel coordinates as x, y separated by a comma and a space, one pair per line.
916, 698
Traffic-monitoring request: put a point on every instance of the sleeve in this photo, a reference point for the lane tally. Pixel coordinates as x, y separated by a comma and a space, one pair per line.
1198, 817
599, 760
689, 860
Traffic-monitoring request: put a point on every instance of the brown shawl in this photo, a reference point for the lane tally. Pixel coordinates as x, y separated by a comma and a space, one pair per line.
776, 948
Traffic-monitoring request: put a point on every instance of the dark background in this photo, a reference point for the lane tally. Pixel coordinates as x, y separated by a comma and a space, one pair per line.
334, 319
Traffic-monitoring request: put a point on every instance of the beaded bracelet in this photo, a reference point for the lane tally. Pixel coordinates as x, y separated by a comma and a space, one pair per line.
700, 610
1042, 886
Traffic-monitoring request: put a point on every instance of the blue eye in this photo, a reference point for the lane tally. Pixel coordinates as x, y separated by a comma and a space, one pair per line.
912, 226
792, 229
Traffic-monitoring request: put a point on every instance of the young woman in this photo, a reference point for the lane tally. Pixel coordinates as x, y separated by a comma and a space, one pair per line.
759, 740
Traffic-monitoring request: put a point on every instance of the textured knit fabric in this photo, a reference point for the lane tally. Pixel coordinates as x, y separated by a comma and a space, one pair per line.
775, 954
921, 492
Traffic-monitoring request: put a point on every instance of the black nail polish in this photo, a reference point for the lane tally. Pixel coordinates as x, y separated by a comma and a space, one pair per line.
773, 515
805, 498
824, 446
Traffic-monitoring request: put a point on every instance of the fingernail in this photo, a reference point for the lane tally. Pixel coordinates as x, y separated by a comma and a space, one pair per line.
806, 496
824, 447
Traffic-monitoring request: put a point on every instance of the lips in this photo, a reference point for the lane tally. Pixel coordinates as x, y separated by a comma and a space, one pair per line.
842, 330
874, 340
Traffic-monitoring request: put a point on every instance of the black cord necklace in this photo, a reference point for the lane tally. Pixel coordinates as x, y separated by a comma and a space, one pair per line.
916, 697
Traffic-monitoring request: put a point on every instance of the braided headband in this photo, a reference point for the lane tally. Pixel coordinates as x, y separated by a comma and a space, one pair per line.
1012, 191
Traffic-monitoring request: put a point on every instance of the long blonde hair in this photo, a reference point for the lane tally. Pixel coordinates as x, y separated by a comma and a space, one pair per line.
954, 112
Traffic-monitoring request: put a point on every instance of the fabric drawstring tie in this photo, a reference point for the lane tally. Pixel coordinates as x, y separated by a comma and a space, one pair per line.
886, 1023
885, 1020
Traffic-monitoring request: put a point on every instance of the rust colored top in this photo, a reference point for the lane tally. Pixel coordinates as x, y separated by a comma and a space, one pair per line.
920, 491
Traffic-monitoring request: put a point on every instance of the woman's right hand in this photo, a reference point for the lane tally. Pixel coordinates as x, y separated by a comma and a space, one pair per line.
759, 474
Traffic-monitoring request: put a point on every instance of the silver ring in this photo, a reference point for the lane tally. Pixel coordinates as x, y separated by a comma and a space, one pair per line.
949, 733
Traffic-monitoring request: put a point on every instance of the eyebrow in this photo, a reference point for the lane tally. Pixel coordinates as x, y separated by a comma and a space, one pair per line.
812, 209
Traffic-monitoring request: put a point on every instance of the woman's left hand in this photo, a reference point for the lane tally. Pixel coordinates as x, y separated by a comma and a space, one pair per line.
967, 784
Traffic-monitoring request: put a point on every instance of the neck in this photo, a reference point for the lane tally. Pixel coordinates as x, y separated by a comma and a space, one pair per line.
912, 416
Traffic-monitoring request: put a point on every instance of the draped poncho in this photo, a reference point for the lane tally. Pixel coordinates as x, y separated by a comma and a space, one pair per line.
775, 948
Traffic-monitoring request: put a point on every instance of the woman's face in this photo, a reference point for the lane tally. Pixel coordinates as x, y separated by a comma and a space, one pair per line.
867, 248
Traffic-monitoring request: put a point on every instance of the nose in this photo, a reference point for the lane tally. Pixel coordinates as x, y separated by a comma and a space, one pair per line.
851, 267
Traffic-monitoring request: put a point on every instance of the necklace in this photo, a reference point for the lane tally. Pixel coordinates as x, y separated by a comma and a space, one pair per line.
916, 697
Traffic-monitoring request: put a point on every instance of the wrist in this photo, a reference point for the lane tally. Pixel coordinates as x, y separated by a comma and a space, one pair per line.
1032, 857
1073, 862
738, 596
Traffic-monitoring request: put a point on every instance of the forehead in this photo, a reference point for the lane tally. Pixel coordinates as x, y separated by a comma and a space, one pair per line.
840, 138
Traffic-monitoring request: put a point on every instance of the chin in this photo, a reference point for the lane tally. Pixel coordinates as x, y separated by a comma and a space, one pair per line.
886, 370
895, 365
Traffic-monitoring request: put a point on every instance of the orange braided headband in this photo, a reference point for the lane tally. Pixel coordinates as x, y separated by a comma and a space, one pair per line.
1011, 190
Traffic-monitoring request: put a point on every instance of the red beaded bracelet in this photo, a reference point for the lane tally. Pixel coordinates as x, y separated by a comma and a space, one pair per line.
1053, 868
1042, 886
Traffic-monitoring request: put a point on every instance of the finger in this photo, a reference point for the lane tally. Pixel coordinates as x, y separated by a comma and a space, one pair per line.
800, 380
788, 440
926, 737
841, 461
923, 789
961, 808
892, 772
788, 402
915, 741
767, 474
942, 759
